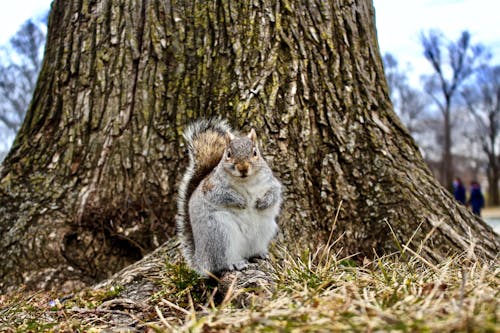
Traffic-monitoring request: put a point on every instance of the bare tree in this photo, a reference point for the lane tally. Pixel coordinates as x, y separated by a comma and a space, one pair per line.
453, 63
483, 101
408, 102
19, 68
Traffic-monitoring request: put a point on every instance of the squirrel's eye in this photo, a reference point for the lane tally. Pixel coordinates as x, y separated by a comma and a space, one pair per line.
228, 155
254, 151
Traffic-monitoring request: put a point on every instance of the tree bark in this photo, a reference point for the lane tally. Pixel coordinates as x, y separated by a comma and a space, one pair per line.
447, 169
493, 176
89, 185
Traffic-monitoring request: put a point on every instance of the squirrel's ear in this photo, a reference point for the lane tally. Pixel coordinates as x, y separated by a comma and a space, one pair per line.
252, 135
229, 137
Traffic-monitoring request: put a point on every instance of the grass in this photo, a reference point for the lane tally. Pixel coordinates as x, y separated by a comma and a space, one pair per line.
311, 292
321, 292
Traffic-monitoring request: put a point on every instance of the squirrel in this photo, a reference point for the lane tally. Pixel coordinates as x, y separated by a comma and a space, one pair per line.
228, 199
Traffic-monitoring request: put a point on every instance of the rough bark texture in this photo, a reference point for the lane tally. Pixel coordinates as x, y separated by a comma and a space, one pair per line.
89, 185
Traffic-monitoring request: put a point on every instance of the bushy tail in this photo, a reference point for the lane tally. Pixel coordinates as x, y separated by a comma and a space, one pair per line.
206, 141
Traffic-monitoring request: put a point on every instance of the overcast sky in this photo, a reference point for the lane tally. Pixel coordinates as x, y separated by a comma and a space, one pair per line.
399, 23
14, 12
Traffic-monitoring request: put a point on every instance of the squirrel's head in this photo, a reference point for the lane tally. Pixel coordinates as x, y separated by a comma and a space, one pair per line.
241, 157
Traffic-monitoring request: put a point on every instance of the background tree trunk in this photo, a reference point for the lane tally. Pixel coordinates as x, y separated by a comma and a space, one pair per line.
89, 185
493, 176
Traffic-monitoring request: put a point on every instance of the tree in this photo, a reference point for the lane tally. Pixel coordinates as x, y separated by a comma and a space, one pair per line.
450, 74
89, 184
483, 101
408, 102
18, 73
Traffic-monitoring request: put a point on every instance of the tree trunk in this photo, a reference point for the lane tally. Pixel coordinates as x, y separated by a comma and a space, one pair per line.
495, 176
447, 157
89, 185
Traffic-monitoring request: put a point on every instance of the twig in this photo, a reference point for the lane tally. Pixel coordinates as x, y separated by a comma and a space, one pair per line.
162, 319
175, 306
425, 261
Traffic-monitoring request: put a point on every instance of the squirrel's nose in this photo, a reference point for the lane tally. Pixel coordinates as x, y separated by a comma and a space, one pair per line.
242, 168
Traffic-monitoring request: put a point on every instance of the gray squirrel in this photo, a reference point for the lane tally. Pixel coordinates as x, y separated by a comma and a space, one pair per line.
228, 199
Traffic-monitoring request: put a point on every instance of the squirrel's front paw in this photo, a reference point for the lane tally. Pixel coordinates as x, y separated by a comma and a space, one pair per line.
241, 203
262, 203
235, 200
266, 201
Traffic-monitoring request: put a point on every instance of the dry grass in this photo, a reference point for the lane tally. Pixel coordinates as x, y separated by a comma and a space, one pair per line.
318, 292
311, 292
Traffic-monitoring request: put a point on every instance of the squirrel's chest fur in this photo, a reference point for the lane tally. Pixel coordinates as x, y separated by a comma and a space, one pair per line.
255, 227
250, 215
248, 229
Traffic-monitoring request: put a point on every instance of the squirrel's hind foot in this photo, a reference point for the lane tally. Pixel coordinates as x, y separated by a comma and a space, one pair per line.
240, 265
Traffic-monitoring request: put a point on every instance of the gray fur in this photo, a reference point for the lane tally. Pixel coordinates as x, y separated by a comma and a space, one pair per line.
268, 199
191, 180
232, 211
226, 197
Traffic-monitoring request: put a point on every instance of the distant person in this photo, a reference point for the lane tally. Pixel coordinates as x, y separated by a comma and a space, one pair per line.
459, 190
476, 199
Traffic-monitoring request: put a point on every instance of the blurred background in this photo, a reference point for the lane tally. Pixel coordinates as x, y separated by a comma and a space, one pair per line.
23, 30
442, 63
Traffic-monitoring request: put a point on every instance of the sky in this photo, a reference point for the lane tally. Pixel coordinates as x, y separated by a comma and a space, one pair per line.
400, 23
13, 13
